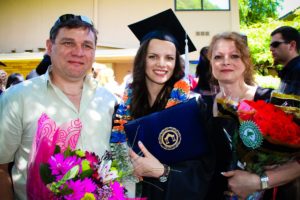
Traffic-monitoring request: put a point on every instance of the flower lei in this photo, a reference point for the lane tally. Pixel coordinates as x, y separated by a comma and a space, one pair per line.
119, 147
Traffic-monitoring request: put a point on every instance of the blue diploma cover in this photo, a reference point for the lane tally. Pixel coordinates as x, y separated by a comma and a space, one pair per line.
171, 135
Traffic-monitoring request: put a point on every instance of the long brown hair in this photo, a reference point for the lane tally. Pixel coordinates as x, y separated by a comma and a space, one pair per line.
139, 105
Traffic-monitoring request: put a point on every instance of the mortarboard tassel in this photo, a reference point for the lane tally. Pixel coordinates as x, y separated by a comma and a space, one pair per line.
186, 58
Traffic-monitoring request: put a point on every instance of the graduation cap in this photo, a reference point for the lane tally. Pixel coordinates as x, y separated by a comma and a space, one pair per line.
162, 26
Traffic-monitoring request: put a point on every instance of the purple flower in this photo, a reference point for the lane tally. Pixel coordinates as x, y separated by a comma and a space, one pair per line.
60, 165
80, 187
104, 192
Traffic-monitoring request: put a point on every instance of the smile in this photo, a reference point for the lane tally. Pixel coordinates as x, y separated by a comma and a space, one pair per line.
160, 72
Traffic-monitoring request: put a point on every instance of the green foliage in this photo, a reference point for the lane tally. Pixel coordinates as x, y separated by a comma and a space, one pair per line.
259, 40
86, 170
55, 187
188, 4
267, 81
45, 173
209, 5
196, 5
253, 11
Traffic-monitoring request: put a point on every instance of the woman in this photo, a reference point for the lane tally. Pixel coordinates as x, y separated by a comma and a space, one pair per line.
156, 72
231, 66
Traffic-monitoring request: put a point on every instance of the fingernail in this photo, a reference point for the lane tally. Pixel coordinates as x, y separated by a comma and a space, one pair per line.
223, 173
139, 142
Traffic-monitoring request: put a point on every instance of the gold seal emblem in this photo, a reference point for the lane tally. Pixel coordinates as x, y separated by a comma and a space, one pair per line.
169, 138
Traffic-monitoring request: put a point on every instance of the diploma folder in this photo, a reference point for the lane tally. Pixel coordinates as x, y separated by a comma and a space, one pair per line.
172, 135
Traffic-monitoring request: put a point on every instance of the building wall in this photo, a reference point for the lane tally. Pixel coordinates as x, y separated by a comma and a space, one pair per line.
114, 31
25, 24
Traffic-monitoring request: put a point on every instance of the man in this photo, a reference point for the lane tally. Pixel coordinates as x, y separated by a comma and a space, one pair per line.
285, 46
64, 93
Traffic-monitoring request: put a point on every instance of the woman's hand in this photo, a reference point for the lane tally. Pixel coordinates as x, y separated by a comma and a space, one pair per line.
148, 165
242, 183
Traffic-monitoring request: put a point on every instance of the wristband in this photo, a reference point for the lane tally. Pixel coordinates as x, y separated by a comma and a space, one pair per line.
264, 181
164, 177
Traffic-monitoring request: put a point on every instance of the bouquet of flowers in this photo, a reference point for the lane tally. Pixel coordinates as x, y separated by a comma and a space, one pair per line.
75, 174
56, 170
267, 135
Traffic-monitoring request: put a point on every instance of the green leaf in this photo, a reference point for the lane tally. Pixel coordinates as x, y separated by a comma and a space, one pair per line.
80, 153
45, 173
86, 169
66, 190
86, 173
68, 152
85, 164
57, 149
72, 173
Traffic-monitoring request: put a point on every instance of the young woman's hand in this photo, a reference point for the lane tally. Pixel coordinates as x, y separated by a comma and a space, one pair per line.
146, 165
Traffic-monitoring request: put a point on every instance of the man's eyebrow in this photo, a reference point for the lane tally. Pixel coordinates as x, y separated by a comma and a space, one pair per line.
66, 39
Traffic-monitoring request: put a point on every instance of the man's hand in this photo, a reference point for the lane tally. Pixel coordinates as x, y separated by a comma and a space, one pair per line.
6, 191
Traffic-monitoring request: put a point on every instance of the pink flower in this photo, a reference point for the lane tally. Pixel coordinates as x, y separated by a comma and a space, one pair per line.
245, 107
60, 166
92, 158
80, 187
117, 191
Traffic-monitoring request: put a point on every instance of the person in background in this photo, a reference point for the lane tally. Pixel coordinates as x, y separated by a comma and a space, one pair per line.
41, 68
203, 73
106, 78
231, 66
285, 47
64, 93
205, 85
96, 69
3, 78
14, 79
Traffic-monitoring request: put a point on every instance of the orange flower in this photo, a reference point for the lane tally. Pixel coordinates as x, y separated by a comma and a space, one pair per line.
182, 85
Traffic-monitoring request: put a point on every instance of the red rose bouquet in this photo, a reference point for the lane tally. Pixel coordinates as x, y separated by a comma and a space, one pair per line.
267, 135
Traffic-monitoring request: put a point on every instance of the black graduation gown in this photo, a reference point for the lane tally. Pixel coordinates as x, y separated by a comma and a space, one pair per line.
188, 180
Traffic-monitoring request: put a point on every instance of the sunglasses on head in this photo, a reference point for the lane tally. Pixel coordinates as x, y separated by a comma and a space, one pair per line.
67, 17
276, 44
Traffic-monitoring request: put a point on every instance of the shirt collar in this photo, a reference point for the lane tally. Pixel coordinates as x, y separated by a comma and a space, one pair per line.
89, 81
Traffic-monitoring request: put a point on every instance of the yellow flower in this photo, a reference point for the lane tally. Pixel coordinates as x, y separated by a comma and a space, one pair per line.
88, 196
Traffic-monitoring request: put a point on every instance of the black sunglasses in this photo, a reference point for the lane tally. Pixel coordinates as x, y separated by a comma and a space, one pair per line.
276, 44
67, 17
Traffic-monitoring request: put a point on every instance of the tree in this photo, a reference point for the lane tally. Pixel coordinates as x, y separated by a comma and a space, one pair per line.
253, 11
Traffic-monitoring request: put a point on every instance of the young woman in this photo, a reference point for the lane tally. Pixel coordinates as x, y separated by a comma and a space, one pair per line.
157, 72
